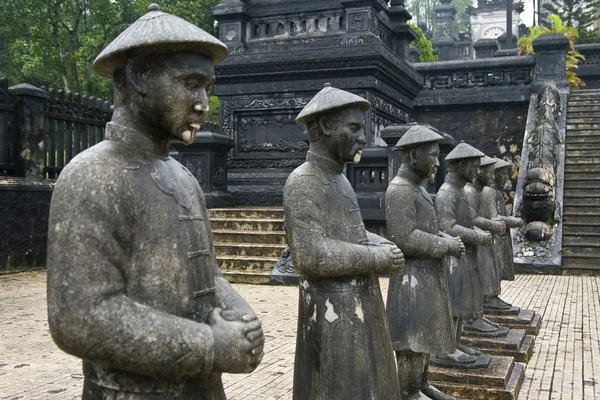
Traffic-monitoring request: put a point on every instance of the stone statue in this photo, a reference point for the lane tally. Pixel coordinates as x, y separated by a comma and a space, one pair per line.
503, 250
134, 288
484, 203
343, 346
457, 218
418, 305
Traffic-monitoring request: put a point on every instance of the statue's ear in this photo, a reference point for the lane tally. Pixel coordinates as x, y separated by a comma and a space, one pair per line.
135, 78
413, 155
326, 125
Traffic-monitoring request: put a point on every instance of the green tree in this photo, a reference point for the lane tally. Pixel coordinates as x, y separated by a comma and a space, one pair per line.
579, 14
525, 46
54, 42
424, 45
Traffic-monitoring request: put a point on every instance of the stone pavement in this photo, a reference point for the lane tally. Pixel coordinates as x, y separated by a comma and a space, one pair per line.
565, 365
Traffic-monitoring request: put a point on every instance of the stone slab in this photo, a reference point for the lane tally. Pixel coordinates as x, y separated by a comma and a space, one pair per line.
256, 277
526, 319
501, 381
511, 311
483, 362
502, 331
516, 344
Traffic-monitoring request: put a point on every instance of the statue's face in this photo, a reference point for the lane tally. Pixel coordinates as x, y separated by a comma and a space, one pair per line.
468, 168
178, 90
346, 135
486, 174
425, 161
501, 175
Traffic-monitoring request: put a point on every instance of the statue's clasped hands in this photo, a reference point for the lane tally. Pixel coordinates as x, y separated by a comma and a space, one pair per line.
238, 344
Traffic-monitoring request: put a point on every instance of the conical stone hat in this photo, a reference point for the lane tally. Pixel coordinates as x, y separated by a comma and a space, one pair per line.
485, 161
464, 151
499, 163
327, 100
417, 135
157, 32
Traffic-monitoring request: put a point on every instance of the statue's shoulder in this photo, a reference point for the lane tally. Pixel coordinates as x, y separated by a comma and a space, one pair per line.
400, 185
470, 189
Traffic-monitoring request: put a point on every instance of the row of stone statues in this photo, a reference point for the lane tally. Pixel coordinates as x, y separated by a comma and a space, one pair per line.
134, 288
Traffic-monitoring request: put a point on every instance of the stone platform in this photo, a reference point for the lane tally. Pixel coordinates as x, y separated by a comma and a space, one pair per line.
524, 319
500, 381
516, 344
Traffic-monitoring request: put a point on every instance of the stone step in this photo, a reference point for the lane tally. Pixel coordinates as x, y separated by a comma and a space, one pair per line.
586, 119
583, 207
583, 126
581, 261
583, 134
573, 228
246, 264
575, 166
578, 192
516, 344
589, 175
525, 319
581, 237
585, 183
590, 217
255, 277
589, 152
589, 247
500, 381
580, 140
247, 224
227, 236
593, 250
248, 212
594, 143
584, 110
249, 249
583, 101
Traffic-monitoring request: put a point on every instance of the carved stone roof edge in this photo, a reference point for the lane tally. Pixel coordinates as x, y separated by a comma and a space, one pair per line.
481, 63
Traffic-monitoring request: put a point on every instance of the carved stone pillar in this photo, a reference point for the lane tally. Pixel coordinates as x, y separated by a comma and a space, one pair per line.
486, 48
403, 34
31, 130
550, 65
445, 13
234, 29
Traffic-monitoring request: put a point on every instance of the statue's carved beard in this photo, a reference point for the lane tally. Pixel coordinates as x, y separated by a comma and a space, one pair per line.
356, 153
432, 174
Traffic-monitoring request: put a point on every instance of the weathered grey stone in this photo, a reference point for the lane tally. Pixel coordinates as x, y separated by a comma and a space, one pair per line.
418, 306
343, 346
134, 288
456, 218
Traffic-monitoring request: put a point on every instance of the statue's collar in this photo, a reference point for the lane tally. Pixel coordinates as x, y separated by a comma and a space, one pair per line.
137, 140
324, 163
410, 176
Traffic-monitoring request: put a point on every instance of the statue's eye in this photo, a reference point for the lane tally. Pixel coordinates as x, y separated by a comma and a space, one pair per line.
192, 83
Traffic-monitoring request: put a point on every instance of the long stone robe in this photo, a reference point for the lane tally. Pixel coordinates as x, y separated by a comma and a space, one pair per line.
503, 249
132, 273
457, 218
418, 304
485, 207
343, 346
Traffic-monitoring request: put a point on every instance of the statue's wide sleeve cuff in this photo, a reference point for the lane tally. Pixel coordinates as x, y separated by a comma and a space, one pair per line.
198, 361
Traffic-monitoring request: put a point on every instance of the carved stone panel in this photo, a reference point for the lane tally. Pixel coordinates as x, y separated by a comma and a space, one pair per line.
196, 164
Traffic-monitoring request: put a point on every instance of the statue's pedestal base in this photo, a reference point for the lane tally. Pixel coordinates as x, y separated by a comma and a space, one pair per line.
502, 331
516, 344
501, 381
511, 311
525, 319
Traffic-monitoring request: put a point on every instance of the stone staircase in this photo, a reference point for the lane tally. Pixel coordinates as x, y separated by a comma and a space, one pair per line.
581, 229
248, 241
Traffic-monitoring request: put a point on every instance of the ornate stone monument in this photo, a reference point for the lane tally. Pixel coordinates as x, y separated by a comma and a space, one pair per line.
134, 288
281, 55
457, 219
418, 306
343, 346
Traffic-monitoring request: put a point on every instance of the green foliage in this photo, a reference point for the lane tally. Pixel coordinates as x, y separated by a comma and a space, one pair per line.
579, 14
424, 14
54, 42
214, 114
525, 46
424, 45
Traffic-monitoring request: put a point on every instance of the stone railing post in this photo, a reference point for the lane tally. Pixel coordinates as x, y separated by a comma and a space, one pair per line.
445, 13
206, 159
413, 54
486, 48
551, 60
30, 129
403, 34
